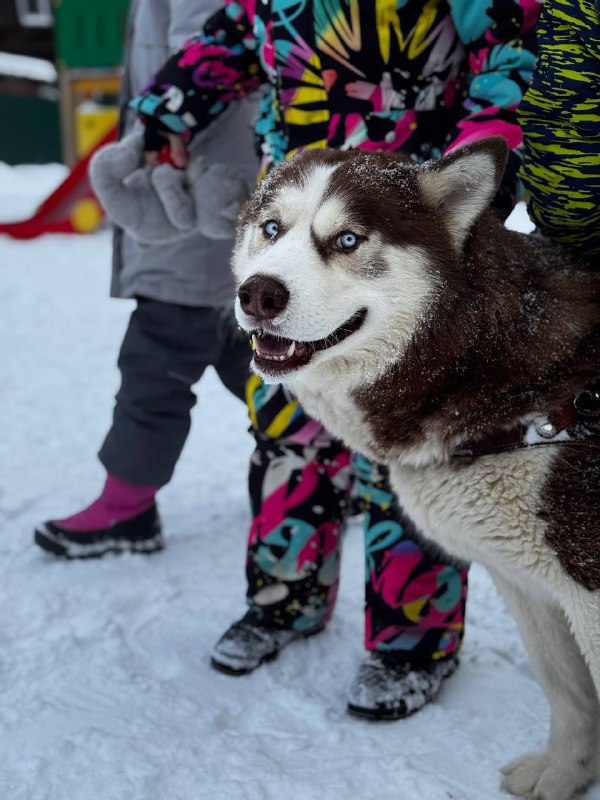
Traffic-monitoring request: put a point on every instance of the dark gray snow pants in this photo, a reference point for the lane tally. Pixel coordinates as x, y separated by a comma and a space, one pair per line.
164, 353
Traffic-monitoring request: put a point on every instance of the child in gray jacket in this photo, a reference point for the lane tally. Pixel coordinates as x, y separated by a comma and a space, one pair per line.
183, 321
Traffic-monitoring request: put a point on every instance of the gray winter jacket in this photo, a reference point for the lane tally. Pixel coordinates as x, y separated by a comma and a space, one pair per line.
194, 271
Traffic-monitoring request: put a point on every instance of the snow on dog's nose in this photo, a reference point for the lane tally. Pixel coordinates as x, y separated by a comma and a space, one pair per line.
262, 297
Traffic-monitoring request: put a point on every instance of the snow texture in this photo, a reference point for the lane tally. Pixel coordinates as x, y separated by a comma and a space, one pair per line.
106, 692
36, 69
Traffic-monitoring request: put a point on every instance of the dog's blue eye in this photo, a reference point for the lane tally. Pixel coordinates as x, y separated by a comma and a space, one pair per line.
271, 228
347, 240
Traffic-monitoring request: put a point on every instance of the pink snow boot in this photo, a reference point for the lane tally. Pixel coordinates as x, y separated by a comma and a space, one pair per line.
123, 519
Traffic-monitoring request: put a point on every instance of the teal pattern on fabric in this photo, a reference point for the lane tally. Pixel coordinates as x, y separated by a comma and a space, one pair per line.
450, 581
278, 553
379, 538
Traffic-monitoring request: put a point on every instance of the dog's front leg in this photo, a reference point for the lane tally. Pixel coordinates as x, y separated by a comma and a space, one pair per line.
567, 767
582, 608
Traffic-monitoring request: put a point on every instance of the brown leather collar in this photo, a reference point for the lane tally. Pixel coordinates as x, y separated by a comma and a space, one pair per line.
564, 425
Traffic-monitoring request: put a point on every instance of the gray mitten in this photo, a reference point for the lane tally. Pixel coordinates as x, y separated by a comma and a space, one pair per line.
156, 206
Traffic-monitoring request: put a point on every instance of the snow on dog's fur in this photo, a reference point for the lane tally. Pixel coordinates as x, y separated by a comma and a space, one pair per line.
409, 320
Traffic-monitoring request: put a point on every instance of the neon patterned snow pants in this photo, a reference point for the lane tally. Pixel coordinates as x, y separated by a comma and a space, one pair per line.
303, 485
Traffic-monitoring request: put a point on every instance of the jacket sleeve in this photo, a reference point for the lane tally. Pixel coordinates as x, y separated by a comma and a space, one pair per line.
187, 16
560, 117
214, 68
500, 42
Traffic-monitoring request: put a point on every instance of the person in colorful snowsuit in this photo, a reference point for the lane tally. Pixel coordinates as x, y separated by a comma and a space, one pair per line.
183, 322
421, 77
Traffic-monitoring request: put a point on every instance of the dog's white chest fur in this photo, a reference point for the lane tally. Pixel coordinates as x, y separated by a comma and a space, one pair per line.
342, 415
485, 511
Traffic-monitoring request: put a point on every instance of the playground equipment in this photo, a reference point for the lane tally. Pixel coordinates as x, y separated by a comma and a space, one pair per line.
89, 48
71, 208
89, 51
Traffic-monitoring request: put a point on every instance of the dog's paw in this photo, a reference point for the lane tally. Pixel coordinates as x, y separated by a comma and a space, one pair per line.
540, 776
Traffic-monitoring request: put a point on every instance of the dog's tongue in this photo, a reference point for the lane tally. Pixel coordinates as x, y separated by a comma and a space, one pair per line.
272, 345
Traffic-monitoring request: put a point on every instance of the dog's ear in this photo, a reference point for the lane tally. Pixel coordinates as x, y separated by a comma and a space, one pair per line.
462, 184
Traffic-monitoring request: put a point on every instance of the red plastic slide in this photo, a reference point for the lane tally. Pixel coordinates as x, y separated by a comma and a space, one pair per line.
71, 208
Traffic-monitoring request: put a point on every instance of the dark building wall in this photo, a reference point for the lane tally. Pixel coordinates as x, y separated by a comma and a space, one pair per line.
14, 38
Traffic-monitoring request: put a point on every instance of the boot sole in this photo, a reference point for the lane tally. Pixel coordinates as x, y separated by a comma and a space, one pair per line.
73, 551
385, 715
237, 673
390, 715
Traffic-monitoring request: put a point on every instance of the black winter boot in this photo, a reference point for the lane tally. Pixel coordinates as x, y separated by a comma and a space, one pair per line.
248, 643
388, 686
139, 534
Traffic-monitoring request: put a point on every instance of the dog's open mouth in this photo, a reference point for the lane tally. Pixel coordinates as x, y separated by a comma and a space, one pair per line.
276, 355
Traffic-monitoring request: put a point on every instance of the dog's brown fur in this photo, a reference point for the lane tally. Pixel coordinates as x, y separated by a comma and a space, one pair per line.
457, 378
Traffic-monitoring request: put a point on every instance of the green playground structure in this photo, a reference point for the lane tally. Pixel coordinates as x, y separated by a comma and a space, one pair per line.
89, 34
89, 38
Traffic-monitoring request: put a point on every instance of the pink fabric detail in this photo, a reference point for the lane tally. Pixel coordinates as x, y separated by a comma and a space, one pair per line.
274, 507
351, 123
404, 129
307, 434
451, 94
377, 99
119, 501
333, 124
268, 50
477, 60
298, 57
363, 90
197, 50
341, 462
397, 590
531, 13
330, 76
211, 73
391, 632
472, 130
395, 571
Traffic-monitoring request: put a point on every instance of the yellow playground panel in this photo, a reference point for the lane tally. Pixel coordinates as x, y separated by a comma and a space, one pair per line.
90, 120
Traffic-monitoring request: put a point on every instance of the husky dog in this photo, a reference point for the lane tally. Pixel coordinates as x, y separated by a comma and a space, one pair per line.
405, 317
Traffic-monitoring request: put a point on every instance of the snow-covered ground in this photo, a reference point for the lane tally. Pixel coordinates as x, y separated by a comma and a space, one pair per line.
106, 692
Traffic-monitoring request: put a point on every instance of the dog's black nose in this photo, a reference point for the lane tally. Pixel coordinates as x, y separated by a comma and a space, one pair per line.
263, 297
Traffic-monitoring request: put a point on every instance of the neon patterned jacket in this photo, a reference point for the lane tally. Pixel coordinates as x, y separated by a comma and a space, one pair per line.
560, 116
422, 77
